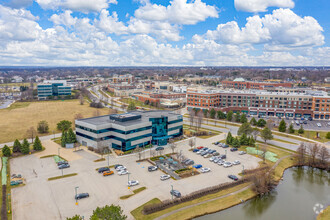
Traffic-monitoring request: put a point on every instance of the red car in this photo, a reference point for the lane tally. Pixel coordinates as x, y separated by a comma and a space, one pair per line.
201, 147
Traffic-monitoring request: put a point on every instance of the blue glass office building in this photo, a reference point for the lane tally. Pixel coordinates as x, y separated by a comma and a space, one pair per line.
53, 88
130, 130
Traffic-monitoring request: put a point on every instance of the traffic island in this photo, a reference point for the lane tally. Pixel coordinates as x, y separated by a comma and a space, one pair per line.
136, 191
61, 177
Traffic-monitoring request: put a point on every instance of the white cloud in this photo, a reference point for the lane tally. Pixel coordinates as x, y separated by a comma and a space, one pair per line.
110, 24
177, 12
64, 19
17, 24
85, 6
261, 5
281, 29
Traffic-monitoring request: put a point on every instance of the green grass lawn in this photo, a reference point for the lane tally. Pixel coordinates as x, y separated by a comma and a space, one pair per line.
193, 129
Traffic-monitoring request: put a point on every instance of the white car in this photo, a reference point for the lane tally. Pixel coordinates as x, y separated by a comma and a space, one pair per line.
165, 177
319, 124
120, 168
242, 152
123, 172
205, 169
236, 162
220, 163
133, 183
212, 158
227, 164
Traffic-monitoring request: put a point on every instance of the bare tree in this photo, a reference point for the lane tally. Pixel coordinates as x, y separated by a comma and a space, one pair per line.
270, 124
138, 152
264, 151
263, 182
96, 113
200, 117
31, 133
191, 117
81, 99
191, 142
324, 155
173, 145
301, 153
313, 150
255, 133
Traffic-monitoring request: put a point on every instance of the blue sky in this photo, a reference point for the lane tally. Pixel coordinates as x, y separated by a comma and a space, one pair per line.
161, 32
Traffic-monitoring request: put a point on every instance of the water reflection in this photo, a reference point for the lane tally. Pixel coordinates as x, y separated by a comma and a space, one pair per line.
260, 204
294, 198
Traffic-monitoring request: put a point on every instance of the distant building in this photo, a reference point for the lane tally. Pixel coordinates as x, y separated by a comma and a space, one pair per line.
129, 130
240, 83
53, 88
127, 78
17, 79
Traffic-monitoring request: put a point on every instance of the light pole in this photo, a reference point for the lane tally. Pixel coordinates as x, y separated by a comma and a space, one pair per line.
108, 157
172, 191
76, 188
226, 152
243, 170
58, 152
54, 134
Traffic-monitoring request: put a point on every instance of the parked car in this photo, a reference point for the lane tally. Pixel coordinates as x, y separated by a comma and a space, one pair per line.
118, 165
221, 162
233, 177
242, 152
152, 168
205, 170
195, 150
200, 147
189, 162
305, 122
212, 158
216, 160
122, 172
205, 148
165, 177
103, 169
175, 193
207, 155
236, 162
16, 176
310, 118
216, 154
223, 156
81, 196
119, 168
133, 183
203, 154
216, 143
225, 146
14, 183
108, 173
319, 124
62, 162
63, 166
197, 166
227, 164
233, 149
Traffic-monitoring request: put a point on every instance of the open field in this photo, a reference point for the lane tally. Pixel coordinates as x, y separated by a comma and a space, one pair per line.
23, 115
193, 128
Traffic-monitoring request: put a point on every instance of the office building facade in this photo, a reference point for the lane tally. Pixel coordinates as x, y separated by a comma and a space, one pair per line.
129, 130
314, 104
53, 88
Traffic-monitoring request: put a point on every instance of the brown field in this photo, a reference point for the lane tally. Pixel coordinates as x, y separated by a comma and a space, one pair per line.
15, 120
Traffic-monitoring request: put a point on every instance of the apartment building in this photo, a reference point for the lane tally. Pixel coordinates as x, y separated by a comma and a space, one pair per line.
129, 130
315, 104
240, 83
127, 78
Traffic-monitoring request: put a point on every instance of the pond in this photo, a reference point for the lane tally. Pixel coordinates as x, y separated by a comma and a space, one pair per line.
294, 198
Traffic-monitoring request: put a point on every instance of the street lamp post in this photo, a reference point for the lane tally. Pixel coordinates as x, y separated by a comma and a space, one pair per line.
243, 170
108, 157
226, 152
172, 191
76, 188
58, 152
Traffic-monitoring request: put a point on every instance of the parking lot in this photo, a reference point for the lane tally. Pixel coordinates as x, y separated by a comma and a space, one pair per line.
311, 125
55, 199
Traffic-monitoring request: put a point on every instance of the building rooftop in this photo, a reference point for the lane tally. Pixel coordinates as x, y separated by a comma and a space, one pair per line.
124, 119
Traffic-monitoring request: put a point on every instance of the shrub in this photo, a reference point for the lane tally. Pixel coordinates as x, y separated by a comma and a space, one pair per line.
328, 135
90, 148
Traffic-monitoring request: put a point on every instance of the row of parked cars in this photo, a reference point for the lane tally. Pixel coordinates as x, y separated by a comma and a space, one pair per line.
16, 179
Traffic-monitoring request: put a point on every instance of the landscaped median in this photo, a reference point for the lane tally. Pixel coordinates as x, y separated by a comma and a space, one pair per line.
136, 191
61, 177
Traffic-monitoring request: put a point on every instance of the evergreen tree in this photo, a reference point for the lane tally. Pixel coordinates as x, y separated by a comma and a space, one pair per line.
243, 119
131, 106
212, 113
17, 146
229, 138
245, 128
235, 142
252, 142
64, 125
37, 146
71, 136
25, 149
327, 136
64, 138
230, 115
282, 126
221, 115
6, 151
291, 129
237, 117
243, 140
253, 121
301, 130
108, 213
261, 123
266, 134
